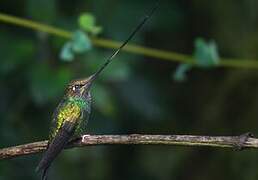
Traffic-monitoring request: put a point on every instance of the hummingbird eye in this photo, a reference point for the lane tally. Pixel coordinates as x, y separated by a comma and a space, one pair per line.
75, 87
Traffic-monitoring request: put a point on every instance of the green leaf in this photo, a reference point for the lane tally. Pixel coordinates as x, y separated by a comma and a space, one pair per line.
67, 52
206, 53
80, 42
88, 23
180, 73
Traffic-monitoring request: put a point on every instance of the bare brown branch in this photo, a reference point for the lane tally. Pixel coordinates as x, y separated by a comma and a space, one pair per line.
182, 140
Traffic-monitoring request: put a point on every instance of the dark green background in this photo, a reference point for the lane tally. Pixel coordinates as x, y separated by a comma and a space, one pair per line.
136, 94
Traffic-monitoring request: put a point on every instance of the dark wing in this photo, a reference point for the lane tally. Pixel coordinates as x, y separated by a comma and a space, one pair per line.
54, 121
56, 146
63, 128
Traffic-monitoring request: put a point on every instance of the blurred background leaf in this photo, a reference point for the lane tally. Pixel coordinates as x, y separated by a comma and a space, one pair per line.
79, 43
206, 53
67, 52
180, 73
88, 23
206, 56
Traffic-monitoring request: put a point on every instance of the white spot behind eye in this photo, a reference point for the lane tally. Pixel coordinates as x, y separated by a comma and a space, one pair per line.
73, 88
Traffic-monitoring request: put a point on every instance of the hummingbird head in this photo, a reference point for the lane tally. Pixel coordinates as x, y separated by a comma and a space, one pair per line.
79, 88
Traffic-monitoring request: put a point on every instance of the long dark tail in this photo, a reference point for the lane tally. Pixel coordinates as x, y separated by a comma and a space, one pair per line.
54, 148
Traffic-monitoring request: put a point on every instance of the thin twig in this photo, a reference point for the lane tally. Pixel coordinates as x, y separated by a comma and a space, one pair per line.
106, 43
136, 139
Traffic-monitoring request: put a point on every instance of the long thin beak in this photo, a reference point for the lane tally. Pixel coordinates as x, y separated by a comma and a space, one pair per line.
87, 82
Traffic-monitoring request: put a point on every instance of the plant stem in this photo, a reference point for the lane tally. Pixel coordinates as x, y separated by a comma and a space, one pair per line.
150, 52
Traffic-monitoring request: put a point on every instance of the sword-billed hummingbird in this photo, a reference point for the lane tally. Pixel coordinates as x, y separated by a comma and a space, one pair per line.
74, 109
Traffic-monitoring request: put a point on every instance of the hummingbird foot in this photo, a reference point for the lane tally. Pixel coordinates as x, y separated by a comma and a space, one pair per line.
241, 140
85, 137
77, 140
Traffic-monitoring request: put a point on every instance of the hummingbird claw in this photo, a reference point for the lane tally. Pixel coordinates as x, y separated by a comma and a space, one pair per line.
85, 137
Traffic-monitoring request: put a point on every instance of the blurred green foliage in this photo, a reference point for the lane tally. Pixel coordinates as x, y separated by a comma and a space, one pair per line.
79, 43
135, 94
206, 53
180, 73
206, 56
88, 23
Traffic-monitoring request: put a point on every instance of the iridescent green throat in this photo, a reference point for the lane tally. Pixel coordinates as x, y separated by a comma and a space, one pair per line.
81, 102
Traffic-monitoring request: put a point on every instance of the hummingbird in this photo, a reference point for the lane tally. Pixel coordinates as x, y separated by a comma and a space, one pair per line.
73, 112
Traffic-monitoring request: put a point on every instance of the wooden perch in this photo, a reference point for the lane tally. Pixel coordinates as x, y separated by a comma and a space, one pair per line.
236, 142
